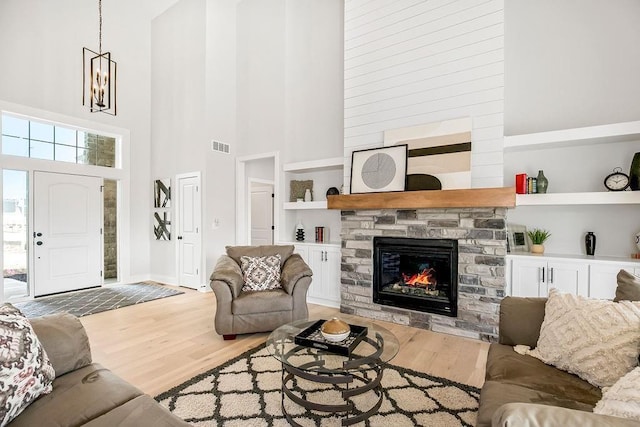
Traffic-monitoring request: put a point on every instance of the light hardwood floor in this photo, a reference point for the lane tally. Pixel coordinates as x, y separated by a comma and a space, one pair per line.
162, 343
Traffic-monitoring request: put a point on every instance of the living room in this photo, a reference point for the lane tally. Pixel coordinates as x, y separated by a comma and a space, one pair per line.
284, 77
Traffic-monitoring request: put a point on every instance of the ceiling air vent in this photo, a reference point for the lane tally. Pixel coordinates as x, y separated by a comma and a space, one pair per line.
220, 146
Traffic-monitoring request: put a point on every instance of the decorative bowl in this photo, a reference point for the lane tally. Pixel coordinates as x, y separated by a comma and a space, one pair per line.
335, 330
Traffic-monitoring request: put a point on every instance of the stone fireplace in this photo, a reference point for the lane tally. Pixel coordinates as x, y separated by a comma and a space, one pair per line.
480, 236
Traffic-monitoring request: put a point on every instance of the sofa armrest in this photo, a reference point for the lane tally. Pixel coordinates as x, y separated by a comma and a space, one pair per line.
294, 269
533, 415
229, 272
65, 341
520, 320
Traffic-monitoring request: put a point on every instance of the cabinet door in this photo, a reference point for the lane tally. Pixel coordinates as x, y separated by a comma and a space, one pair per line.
569, 277
316, 261
331, 275
603, 280
527, 278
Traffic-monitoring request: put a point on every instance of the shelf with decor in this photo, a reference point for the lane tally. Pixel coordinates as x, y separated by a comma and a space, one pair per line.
322, 204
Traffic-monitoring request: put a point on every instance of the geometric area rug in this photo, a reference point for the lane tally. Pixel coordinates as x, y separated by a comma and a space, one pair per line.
245, 391
91, 301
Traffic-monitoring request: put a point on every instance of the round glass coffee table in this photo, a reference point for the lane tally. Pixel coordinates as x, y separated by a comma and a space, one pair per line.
348, 379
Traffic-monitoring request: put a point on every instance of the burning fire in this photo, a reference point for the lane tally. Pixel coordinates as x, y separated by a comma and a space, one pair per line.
424, 279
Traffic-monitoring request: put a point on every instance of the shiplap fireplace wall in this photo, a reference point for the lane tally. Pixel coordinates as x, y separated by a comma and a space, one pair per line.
411, 62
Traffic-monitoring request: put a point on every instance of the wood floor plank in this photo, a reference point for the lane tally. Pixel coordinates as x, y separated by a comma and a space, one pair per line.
160, 344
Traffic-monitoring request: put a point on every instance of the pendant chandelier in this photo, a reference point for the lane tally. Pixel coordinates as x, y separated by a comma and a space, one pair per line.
99, 77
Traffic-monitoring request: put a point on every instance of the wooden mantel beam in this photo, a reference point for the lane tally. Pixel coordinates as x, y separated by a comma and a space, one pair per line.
500, 197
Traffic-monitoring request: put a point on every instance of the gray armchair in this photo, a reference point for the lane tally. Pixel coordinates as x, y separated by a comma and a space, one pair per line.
242, 312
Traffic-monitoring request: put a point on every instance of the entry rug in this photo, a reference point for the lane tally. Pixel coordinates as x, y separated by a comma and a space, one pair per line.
83, 303
245, 391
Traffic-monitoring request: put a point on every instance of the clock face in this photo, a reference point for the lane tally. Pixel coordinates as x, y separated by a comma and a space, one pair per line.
617, 181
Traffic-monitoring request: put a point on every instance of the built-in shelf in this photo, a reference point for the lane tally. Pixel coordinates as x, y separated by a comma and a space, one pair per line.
615, 132
322, 204
468, 198
314, 165
582, 257
592, 198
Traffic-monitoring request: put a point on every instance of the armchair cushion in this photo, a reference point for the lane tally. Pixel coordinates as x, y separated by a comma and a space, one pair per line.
260, 273
236, 252
262, 302
294, 269
229, 272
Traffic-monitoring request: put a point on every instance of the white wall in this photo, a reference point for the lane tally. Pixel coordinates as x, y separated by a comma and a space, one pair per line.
409, 63
41, 67
570, 63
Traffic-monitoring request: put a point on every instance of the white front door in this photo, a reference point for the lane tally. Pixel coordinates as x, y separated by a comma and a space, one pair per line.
261, 214
189, 229
67, 236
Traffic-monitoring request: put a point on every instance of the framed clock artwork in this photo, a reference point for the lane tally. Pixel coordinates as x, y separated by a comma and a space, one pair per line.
617, 181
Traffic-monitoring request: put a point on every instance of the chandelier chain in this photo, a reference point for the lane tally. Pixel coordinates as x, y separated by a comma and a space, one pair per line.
100, 27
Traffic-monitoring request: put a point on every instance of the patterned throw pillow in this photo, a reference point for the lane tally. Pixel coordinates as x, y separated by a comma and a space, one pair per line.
623, 398
261, 273
597, 340
25, 370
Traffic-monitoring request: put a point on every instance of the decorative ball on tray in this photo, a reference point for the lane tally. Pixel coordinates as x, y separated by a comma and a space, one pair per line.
335, 330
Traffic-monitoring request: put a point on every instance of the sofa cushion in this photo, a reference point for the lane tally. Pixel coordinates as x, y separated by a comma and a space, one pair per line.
261, 273
236, 252
78, 397
141, 411
628, 287
262, 302
623, 398
520, 320
507, 366
26, 372
598, 340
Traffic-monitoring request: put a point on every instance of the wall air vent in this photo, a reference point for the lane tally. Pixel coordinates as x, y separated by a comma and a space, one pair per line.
220, 147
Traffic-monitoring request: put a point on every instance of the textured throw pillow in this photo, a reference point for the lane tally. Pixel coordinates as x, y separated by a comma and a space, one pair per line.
261, 273
628, 287
623, 398
597, 340
25, 370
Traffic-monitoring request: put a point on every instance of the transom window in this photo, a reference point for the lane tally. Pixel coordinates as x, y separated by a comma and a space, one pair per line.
40, 140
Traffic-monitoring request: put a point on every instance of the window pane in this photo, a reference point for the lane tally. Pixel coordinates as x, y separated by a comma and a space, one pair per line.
14, 126
106, 151
82, 139
86, 156
15, 146
65, 136
41, 150
15, 233
64, 153
41, 132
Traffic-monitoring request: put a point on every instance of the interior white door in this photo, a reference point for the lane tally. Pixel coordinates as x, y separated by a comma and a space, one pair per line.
189, 229
67, 236
261, 214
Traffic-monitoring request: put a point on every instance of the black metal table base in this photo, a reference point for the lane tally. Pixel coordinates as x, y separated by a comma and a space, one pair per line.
350, 381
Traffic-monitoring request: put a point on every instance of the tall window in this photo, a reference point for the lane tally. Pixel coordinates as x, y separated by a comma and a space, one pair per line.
40, 140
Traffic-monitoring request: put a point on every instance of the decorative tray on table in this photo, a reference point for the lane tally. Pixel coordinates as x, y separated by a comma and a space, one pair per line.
312, 337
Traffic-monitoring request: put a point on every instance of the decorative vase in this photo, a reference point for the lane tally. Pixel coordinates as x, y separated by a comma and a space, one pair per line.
300, 232
307, 195
332, 191
590, 243
634, 173
542, 182
537, 249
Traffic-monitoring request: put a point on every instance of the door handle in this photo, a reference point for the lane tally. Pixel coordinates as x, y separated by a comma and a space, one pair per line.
39, 234
39, 243
543, 268
179, 237
551, 275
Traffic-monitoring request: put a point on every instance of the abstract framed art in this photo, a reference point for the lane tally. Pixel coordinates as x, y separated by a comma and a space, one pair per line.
162, 225
162, 193
379, 169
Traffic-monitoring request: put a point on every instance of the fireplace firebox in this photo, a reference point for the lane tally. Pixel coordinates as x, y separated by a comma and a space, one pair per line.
417, 274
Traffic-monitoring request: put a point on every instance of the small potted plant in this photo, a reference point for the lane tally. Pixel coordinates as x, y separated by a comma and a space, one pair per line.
538, 236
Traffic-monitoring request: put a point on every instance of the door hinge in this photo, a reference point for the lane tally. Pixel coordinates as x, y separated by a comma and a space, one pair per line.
101, 231
273, 227
100, 273
273, 195
197, 271
101, 188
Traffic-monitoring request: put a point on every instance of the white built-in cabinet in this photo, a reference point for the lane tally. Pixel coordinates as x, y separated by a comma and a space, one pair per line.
593, 277
324, 260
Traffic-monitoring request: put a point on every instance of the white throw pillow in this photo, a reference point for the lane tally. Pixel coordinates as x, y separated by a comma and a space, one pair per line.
261, 273
25, 370
597, 340
623, 398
